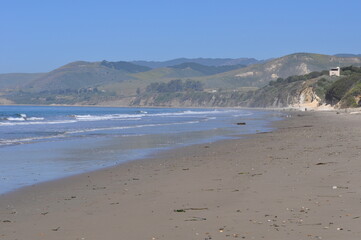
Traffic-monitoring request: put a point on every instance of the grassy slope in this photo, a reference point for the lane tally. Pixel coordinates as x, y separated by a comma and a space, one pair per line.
85, 74
343, 91
258, 75
78, 75
17, 80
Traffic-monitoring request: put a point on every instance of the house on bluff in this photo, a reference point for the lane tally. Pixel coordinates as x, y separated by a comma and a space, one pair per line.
335, 71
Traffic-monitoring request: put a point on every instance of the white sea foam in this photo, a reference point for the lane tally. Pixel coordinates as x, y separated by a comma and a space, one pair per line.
128, 127
142, 114
27, 140
35, 123
190, 113
15, 119
69, 133
107, 117
35, 119
24, 120
23, 117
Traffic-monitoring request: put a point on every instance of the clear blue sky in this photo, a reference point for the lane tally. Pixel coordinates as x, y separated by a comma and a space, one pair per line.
40, 35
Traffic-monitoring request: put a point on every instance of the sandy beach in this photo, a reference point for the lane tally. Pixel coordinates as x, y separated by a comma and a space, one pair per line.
301, 181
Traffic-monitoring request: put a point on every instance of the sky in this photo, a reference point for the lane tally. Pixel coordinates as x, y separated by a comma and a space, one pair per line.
41, 35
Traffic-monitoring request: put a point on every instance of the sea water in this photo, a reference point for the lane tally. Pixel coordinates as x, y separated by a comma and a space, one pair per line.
42, 143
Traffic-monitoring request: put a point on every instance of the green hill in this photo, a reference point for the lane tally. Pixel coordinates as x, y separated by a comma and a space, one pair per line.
125, 66
207, 70
78, 75
203, 61
12, 81
312, 90
258, 75
183, 70
98, 82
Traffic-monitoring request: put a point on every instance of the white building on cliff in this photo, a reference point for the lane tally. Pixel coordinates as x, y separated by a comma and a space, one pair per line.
335, 71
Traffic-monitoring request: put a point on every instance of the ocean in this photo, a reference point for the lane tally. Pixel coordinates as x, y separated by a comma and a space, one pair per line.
43, 143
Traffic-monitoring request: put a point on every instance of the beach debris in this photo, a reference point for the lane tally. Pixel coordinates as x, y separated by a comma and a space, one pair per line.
6, 221
323, 163
241, 173
191, 209
196, 219
55, 229
241, 123
44, 213
257, 174
196, 209
185, 169
99, 188
339, 229
71, 197
275, 225
179, 210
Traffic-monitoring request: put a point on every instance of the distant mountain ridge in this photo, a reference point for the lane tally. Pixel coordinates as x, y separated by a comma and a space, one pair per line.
207, 70
84, 82
17, 80
347, 55
81, 74
203, 61
126, 66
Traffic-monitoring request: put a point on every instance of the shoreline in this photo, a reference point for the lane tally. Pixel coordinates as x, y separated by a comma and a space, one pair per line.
160, 153
305, 108
127, 145
274, 185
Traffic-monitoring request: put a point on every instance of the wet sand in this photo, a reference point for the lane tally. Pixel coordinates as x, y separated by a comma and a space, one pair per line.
302, 181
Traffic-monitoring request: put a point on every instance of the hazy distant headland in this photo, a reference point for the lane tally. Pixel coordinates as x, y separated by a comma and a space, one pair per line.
198, 82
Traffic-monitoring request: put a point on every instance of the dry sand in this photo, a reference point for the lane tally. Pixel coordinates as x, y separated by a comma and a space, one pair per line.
302, 181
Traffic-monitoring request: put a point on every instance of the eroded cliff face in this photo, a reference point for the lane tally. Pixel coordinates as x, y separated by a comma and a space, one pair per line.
301, 94
296, 95
307, 98
4, 101
195, 99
